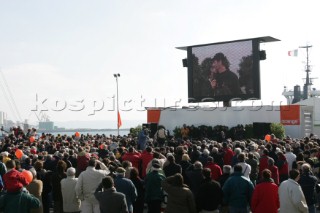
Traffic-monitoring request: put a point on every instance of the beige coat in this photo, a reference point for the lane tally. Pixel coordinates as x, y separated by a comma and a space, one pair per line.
71, 203
292, 199
35, 188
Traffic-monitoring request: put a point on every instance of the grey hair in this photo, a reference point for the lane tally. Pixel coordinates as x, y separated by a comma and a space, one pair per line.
306, 167
226, 169
237, 151
33, 172
198, 165
71, 171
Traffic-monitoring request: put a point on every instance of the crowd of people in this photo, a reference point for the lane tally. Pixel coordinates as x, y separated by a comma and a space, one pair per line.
99, 173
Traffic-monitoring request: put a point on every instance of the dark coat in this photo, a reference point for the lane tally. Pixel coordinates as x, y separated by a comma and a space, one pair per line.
195, 178
180, 198
111, 201
19, 202
172, 169
209, 196
308, 184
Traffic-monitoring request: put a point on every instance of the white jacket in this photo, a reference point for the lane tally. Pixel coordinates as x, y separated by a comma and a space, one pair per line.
71, 203
89, 181
291, 197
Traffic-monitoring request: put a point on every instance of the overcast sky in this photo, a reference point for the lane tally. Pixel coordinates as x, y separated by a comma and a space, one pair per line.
66, 51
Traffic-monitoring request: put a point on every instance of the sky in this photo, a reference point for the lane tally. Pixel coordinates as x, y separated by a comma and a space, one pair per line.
59, 56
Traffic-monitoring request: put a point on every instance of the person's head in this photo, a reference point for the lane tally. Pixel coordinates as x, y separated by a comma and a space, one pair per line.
177, 180
185, 157
197, 165
126, 164
11, 164
92, 162
71, 172
306, 167
149, 149
237, 168
206, 172
210, 159
250, 156
156, 155
34, 173
120, 171
237, 151
270, 162
266, 174
226, 169
220, 63
171, 158
61, 166
241, 157
107, 182
38, 165
294, 174
134, 173
155, 165
266, 152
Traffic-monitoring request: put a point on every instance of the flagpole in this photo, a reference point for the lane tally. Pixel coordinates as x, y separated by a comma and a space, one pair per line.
117, 75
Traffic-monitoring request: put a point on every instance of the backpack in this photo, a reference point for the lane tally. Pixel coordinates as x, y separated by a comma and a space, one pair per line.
162, 133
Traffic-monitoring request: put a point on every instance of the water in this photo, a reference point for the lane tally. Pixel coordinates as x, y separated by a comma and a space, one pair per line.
106, 132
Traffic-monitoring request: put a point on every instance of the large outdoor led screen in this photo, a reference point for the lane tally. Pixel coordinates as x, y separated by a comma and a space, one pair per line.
224, 71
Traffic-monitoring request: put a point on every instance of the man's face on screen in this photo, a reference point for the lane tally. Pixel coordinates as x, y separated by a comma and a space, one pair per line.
215, 67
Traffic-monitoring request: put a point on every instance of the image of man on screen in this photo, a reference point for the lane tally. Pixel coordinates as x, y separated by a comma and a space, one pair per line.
222, 80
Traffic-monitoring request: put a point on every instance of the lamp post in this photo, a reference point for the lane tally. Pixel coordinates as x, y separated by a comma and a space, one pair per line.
117, 75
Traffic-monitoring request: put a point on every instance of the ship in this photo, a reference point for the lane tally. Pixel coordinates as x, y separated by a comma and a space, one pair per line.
308, 96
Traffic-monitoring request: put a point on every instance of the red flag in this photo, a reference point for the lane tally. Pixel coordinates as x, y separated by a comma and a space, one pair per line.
119, 120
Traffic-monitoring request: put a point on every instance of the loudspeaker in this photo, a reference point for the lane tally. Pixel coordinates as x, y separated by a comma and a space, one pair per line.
153, 129
261, 129
146, 125
262, 55
185, 62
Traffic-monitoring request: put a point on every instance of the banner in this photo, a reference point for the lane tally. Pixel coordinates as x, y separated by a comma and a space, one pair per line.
293, 52
119, 120
290, 115
153, 115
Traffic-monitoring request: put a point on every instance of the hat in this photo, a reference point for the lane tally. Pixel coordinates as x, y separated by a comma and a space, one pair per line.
120, 171
156, 165
5, 153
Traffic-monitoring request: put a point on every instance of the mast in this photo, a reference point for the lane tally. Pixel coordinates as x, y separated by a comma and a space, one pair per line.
308, 83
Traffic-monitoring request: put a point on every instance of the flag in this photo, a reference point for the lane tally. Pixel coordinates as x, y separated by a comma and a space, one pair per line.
293, 52
119, 120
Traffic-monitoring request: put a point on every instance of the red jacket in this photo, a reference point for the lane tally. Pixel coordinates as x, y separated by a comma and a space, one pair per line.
146, 157
263, 163
133, 157
215, 170
265, 198
14, 181
227, 157
82, 161
283, 166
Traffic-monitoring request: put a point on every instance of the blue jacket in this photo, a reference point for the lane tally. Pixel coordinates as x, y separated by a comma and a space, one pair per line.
237, 191
125, 186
